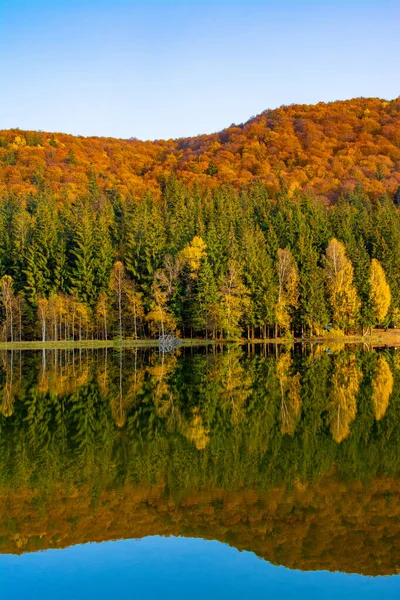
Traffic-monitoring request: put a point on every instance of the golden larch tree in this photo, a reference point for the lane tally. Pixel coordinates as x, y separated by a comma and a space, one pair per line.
342, 293
380, 291
160, 317
234, 300
8, 300
288, 291
192, 254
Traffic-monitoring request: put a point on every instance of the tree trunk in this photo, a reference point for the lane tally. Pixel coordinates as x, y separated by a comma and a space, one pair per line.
120, 308
11, 323
134, 320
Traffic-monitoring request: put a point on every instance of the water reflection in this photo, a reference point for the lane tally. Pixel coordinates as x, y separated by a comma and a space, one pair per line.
293, 454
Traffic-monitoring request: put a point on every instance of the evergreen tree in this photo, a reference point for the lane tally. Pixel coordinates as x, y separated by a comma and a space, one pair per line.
82, 248
205, 316
288, 288
145, 242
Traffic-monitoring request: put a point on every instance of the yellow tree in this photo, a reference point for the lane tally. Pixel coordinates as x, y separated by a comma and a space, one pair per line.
382, 387
62, 311
56, 310
134, 306
342, 293
8, 300
160, 317
288, 292
43, 307
380, 292
234, 300
345, 385
102, 310
83, 318
52, 315
192, 254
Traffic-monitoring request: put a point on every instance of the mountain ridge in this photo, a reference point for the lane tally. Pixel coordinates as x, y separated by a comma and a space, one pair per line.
327, 149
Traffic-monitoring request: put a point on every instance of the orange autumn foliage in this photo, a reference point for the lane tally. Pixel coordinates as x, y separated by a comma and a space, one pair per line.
324, 148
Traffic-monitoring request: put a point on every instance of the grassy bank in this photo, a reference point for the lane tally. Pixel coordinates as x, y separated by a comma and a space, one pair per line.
379, 337
91, 344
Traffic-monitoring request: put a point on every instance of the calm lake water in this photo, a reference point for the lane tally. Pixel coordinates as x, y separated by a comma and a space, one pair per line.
220, 472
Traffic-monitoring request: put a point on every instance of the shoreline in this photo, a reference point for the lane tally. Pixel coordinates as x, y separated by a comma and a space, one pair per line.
94, 344
378, 338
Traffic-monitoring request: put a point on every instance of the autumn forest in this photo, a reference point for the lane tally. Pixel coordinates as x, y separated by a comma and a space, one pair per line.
286, 225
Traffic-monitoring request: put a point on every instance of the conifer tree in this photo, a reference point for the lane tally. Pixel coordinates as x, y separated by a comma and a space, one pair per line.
117, 286
145, 242
313, 311
40, 259
288, 288
206, 309
259, 278
82, 278
103, 252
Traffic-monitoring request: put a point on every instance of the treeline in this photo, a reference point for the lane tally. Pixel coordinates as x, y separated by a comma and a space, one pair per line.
325, 148
215, 263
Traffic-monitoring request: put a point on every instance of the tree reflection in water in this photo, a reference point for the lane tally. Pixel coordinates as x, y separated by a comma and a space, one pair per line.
292, 454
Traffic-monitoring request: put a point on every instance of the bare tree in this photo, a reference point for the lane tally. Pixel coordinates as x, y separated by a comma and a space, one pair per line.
8, 300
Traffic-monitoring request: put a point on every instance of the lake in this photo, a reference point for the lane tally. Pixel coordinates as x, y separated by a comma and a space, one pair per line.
256, 471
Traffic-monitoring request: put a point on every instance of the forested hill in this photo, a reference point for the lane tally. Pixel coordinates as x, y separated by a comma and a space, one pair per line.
254, 231
324, 148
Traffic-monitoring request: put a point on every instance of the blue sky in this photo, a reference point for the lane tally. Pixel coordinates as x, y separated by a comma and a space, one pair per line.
164, 69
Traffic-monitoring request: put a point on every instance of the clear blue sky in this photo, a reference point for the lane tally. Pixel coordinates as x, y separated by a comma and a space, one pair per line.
163, 68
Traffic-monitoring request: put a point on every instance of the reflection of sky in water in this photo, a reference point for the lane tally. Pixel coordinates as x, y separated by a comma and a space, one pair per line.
173, 568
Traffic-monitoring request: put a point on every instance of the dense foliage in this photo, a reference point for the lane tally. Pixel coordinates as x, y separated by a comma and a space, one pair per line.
294, 455
327, 148
287, 224
207, 263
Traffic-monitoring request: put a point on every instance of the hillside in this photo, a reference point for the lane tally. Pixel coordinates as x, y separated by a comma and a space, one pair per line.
325, 148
